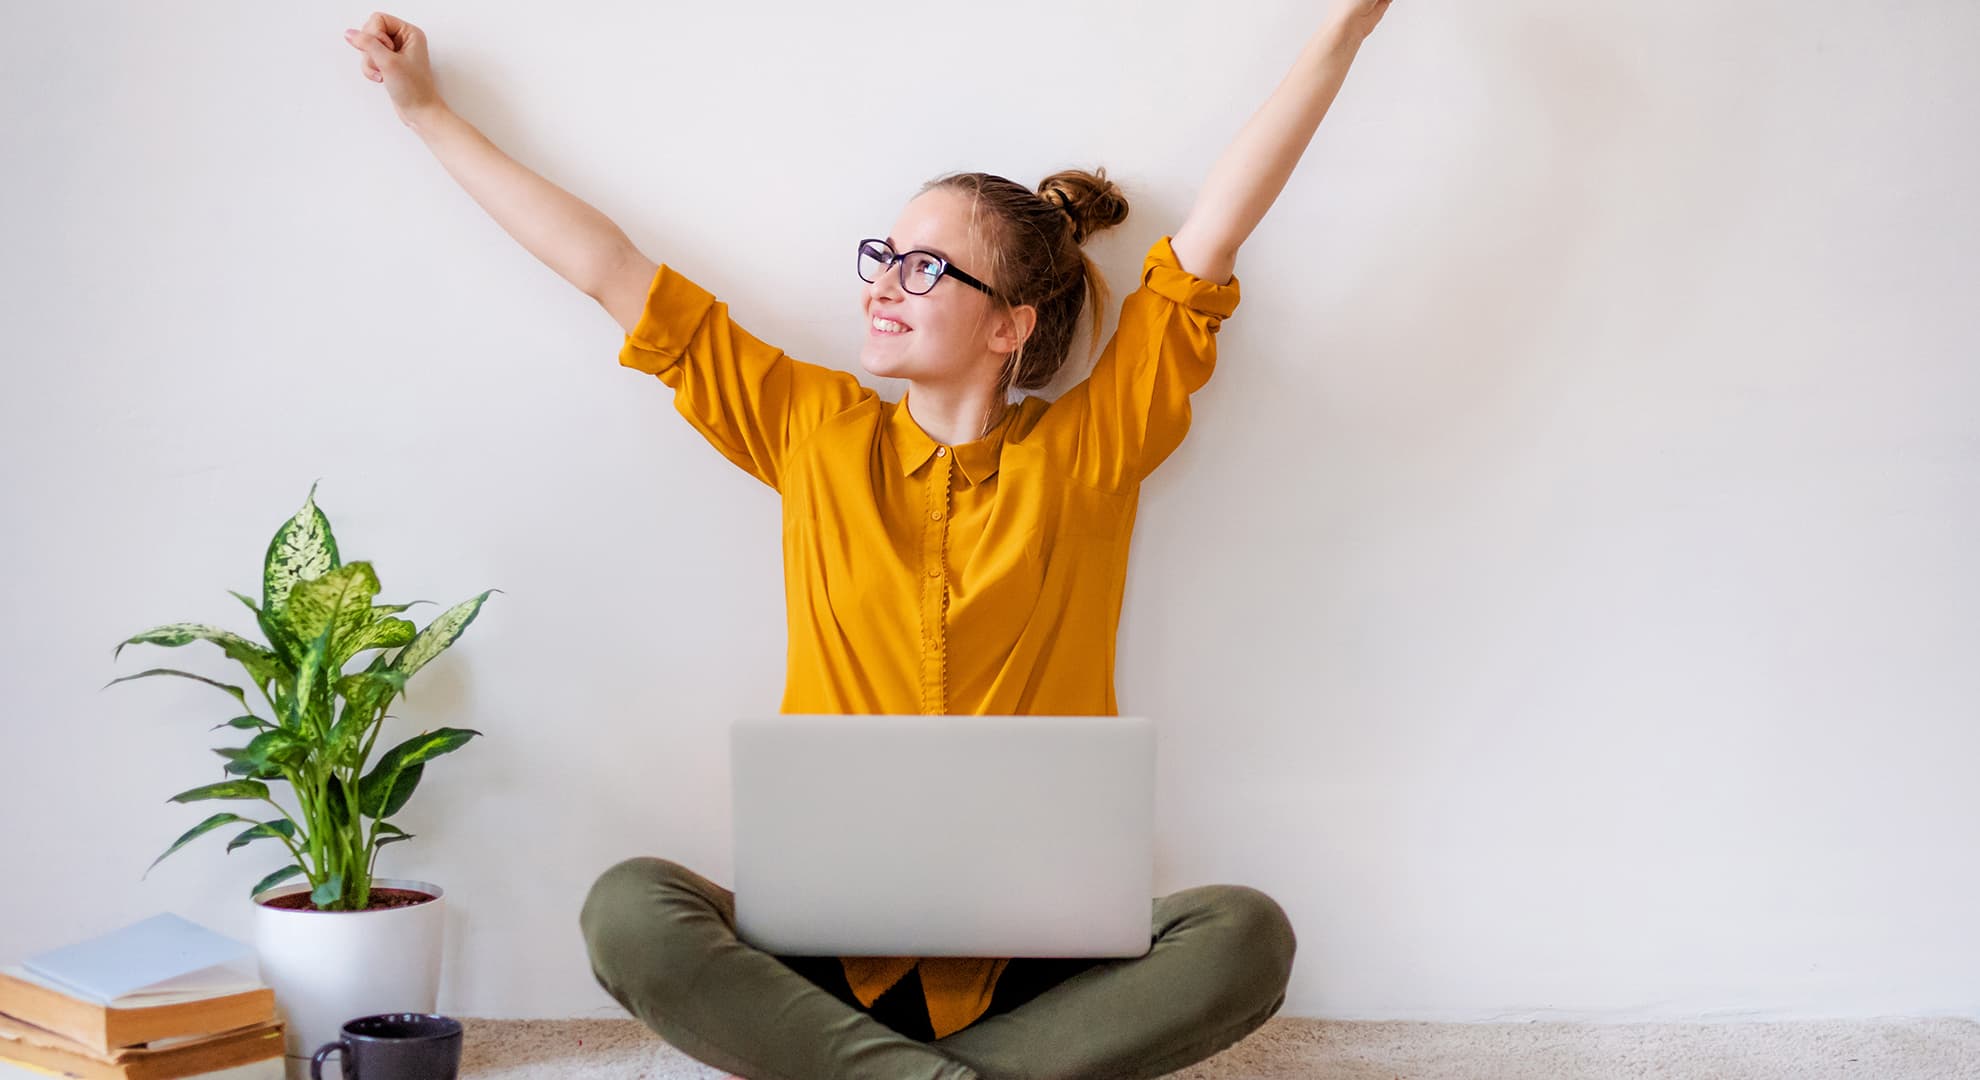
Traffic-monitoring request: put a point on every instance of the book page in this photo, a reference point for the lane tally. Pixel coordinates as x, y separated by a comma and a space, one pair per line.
205, 983
165, 953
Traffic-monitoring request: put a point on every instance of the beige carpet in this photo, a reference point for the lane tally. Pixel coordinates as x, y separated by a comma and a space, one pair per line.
1289, 1048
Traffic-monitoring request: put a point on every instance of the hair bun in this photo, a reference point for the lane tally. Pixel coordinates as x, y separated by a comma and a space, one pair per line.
1092, 201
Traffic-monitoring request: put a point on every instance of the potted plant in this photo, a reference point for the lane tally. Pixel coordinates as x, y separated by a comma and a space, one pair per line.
341, 943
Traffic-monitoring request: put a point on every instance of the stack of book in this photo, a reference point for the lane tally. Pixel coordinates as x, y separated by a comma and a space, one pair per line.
162, 999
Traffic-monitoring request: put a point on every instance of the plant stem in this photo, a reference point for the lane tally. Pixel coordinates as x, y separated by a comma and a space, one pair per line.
294, 851
270, 701
317, 824
368, 853
355, 879
376, 724
293, 823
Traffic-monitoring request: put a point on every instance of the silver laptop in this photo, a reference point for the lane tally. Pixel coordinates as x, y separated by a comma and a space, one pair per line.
944, 835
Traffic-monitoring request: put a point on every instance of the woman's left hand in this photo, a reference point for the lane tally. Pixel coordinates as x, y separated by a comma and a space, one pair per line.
1356, 19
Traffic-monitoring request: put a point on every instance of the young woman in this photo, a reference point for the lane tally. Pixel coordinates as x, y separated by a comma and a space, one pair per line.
960, 551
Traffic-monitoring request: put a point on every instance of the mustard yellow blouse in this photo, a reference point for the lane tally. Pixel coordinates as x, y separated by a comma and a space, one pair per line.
978, 579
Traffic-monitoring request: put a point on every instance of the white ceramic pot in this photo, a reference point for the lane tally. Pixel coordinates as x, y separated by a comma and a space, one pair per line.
328, 967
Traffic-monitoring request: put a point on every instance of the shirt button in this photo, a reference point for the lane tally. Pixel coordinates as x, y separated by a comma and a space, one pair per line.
941, 450
936, 514
934, 573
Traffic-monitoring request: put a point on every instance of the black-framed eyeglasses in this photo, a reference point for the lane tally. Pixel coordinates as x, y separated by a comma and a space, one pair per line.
920, 270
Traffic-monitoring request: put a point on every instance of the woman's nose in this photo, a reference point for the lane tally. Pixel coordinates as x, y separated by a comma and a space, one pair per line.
887, 282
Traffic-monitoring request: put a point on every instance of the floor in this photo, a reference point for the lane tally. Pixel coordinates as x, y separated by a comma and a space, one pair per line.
1285, 1048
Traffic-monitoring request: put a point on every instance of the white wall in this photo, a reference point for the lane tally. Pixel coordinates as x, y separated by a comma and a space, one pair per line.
1564, 603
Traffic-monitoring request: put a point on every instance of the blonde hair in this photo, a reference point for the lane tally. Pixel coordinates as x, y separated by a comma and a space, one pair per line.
1033, 239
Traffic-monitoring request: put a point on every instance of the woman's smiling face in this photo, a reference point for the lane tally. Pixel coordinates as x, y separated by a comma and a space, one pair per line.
947, 332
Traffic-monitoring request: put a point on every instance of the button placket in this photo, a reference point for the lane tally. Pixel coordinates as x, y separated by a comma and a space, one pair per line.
935, 587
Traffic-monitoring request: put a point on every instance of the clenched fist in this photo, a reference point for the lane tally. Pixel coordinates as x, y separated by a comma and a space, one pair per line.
395, 54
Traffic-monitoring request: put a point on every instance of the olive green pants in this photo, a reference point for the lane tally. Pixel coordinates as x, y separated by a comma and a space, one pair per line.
662, 941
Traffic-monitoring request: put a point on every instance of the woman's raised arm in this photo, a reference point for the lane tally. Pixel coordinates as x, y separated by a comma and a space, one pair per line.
1254, 169
564, 232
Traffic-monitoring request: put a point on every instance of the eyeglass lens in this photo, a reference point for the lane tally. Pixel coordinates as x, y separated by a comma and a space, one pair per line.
919, 271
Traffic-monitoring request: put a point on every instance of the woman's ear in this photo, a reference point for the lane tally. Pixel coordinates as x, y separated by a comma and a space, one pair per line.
1013, 327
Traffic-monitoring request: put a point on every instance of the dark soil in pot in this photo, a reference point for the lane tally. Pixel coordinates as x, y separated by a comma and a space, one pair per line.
380, 898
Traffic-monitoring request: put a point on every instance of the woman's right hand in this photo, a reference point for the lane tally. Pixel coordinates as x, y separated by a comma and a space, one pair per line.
395, 54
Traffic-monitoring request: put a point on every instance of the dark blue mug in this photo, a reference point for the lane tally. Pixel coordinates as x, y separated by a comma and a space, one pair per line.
396, 1046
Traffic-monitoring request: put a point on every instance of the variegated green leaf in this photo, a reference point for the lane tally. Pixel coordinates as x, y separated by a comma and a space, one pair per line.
242, 722
261, 664
308, 672
438, 634
255, 770
383, 633
239, 695
346, 738
242, 765
274, 879
281, 827
225, 789
285, 648
339, 599
193, 833
383, 840
367, 690
385, 790
303, 548
272, 750
392, 790
174, 634
388, 833
329, 892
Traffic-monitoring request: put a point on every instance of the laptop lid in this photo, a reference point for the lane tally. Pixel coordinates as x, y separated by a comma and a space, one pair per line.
987, 836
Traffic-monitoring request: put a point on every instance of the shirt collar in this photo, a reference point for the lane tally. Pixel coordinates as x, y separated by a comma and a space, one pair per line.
978, 460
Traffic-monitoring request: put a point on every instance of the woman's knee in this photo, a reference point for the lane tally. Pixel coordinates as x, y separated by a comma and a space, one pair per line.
624, 923
1265, 932
1254, 938
627, 882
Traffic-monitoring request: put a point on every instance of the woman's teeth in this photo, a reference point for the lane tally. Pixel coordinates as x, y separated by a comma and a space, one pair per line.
889, 326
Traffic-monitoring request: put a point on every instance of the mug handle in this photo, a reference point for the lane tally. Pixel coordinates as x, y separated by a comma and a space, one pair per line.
316, 1060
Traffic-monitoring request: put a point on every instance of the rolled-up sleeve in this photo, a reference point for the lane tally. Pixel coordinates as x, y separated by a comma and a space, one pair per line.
751, 401
1134, 407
